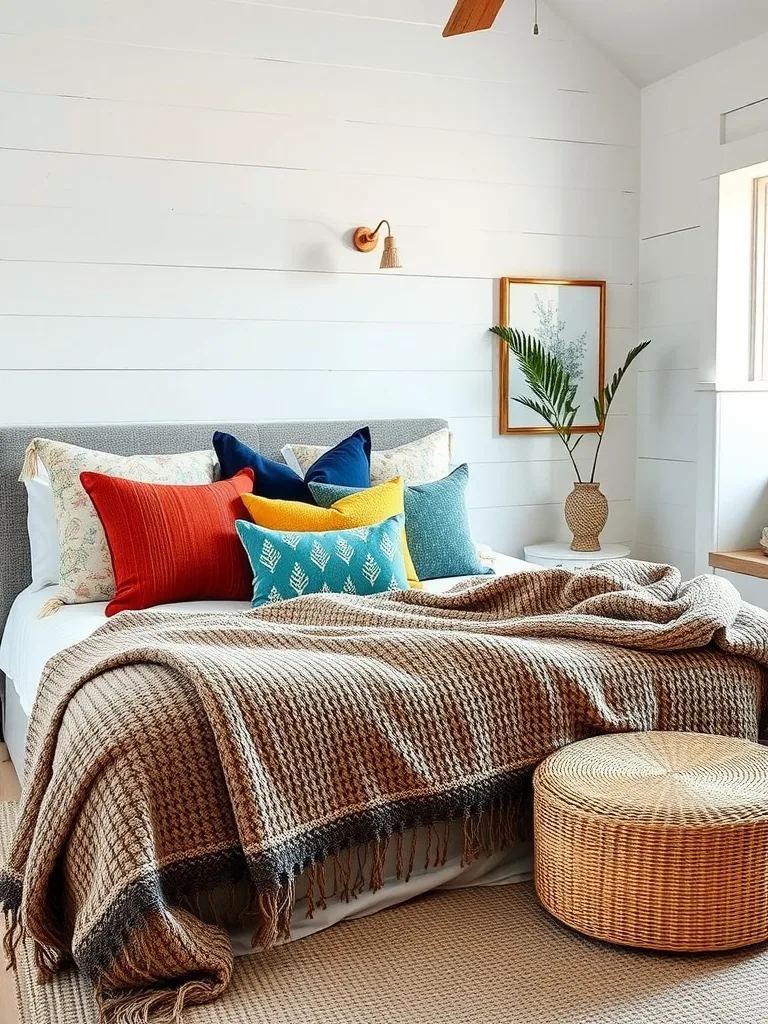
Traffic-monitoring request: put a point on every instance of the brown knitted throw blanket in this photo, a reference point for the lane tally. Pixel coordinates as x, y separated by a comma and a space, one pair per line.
173, 755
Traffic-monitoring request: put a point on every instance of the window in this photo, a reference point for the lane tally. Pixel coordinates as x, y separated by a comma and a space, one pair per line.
760, 283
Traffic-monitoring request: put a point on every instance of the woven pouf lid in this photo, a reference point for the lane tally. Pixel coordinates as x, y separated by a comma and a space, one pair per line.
656, 839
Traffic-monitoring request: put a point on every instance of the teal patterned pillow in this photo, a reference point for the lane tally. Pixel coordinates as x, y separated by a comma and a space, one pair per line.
436, 525
365, 560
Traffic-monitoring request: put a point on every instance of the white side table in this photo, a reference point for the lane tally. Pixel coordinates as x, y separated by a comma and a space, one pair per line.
560, 556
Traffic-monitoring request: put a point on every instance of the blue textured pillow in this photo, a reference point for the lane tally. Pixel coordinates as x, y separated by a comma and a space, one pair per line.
348, 462
436, 525
365, 560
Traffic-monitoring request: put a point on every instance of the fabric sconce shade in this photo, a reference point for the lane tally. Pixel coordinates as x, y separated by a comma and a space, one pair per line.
390, 258
365, 240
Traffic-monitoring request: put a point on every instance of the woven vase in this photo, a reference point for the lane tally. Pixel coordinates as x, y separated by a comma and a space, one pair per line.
586, 513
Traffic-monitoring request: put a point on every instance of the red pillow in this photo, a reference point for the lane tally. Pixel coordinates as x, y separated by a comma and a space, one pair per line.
173, 542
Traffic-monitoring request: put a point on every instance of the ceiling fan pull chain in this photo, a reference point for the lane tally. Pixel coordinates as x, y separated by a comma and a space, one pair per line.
535, 17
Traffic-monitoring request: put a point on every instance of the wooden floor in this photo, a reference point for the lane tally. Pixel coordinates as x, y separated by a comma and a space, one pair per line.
9, 790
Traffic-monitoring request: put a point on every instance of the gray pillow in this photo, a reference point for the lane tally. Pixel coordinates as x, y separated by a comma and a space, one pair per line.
436, 525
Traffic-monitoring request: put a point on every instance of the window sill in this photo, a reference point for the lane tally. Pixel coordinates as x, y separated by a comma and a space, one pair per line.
750, 562
745, 388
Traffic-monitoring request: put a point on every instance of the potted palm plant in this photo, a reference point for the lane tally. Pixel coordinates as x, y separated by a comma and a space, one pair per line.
553, 394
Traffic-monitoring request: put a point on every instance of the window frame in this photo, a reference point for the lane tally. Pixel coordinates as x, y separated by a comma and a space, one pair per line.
760, 282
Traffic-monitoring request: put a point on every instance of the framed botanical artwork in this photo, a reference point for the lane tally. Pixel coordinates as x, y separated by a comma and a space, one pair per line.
568, 318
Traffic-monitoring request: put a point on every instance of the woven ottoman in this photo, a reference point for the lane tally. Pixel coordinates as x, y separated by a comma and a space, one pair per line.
657, 840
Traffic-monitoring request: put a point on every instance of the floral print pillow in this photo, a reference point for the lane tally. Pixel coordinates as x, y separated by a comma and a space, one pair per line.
85, 562
418, 462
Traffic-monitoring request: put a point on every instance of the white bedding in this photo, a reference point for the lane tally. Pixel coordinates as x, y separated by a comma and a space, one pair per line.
29, 642
513, 865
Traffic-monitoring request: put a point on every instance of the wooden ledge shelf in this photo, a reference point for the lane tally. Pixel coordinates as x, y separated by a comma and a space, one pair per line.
750, 562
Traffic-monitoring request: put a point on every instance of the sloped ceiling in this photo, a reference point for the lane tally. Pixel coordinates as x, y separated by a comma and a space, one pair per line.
650, 39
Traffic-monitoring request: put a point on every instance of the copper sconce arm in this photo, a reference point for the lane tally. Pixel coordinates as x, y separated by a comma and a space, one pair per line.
365, 240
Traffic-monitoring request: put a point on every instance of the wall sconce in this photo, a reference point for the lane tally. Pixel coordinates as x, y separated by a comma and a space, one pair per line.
366, 240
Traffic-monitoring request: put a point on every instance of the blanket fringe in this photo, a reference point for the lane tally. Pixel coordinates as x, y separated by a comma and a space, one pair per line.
15, 933
47, 962
158, 1006
275, 909
363, 867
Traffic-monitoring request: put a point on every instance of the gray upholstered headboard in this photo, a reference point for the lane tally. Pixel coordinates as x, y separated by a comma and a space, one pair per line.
149, 438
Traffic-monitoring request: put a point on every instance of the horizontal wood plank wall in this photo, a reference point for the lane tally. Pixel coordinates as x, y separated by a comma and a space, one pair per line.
179, 180
682, 156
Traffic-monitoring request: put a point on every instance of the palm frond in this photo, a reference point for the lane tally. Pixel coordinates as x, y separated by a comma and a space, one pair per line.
607, 395
545, 375
538, 407
610, 389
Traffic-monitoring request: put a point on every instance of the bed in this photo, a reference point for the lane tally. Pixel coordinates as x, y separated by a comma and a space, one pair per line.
319, 758
28, 641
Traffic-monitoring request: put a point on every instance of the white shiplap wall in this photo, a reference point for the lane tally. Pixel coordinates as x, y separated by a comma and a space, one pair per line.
179, 180
683, 152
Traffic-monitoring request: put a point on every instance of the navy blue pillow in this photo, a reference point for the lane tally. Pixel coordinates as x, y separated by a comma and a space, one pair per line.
271, 479
347, 465
348, 461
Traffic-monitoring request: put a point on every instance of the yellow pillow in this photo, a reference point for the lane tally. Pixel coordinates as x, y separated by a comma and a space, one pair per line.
366, 508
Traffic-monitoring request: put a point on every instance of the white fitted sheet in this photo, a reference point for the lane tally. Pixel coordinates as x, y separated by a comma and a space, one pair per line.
29, 642
507, 868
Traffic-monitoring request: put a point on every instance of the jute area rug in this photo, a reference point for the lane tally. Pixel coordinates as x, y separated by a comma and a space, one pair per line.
482, 956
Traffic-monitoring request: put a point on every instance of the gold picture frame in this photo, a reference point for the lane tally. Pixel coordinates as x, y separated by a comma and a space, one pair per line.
516, 294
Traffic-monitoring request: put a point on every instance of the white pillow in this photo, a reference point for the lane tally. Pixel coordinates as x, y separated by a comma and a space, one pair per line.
417, 462
292, 462
41, 528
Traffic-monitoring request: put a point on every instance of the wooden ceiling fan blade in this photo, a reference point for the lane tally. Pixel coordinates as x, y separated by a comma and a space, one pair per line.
472, 16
